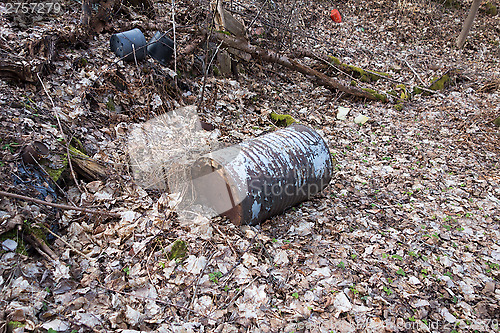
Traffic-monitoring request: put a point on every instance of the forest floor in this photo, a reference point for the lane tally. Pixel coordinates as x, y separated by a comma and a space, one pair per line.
406, 237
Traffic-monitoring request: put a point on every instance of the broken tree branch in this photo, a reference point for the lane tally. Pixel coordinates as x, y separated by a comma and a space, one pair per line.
51, 204
272, 57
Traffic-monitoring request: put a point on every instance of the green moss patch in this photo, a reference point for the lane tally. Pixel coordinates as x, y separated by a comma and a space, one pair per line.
334, 60
55, 174
490, 9
497, 122
282, 120
440, 83
15, 324
378, 95
178, 251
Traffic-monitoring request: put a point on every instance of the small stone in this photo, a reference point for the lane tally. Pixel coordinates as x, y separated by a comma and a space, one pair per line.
9, 245
421, 302
448, 316
281, 258
341, 304
489, 287
445, 261
375, 325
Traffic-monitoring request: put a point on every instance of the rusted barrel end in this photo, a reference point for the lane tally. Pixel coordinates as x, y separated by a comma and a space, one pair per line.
260, 178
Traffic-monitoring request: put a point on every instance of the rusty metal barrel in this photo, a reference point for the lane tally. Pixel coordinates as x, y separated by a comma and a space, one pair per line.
262, 177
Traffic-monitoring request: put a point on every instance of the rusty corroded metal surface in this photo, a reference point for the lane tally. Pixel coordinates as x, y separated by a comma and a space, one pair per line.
259, 178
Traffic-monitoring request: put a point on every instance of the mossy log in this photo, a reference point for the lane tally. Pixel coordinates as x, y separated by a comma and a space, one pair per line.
363, 75
87, 167
440, 82
273, 57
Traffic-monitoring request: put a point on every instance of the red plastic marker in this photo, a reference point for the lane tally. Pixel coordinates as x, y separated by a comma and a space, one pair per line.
335, 15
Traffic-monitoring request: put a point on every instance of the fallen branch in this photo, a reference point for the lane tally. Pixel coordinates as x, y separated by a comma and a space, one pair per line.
41, 247
272, 57
51, 204
65, 242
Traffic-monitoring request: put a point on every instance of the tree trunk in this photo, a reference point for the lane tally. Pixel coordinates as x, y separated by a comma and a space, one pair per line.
86, 12
468, 23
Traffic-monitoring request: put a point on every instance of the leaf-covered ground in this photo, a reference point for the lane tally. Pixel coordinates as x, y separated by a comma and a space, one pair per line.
405, 237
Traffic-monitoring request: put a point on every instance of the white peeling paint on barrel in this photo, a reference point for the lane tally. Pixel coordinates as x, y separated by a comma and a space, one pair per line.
259, 178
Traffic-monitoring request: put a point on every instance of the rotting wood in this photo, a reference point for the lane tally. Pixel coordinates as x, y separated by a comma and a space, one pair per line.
15, 71
87, 167
272, 57
11, 223
40, 246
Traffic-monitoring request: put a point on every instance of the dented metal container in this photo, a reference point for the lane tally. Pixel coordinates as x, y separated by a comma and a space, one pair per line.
259, 178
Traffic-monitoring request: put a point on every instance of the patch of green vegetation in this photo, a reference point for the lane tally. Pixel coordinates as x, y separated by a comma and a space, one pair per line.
215, 276
55, 174
15, 324
401, 272
335, 60
388, 291
440, 83
178, 251
377, 95
354, 83
35, 230
403, 92
282, 120
295, 295
353, 289
497, 122
357, 72
490, 9
110, 104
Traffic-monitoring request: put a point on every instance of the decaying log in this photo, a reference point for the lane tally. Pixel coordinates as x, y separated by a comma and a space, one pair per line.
272, 57
17, 71
87, 167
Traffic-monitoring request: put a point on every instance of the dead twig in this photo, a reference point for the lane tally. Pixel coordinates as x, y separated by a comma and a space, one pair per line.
62, 134
158, 301
41, 247
239, 292
225, 238
60, 206
175, 43
415, 73
65, 242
